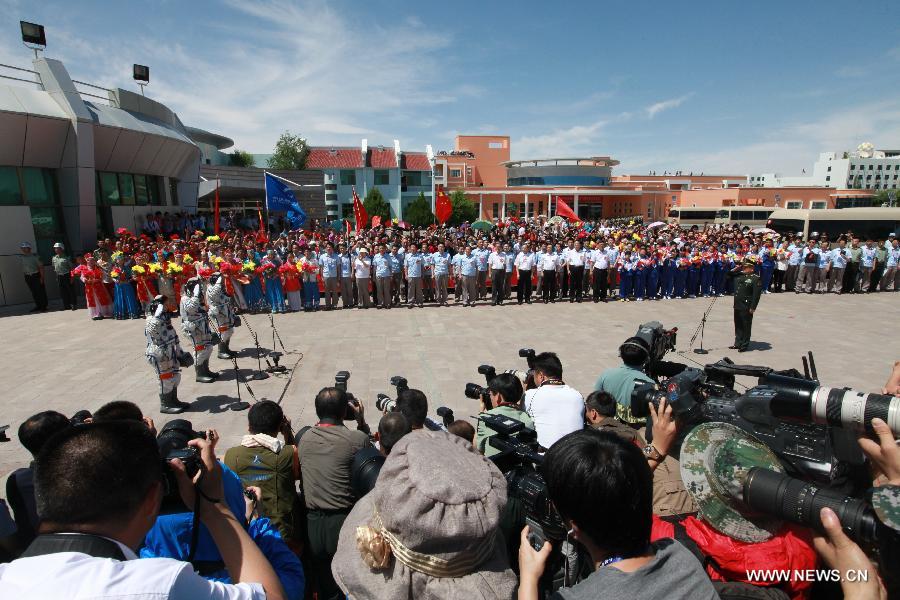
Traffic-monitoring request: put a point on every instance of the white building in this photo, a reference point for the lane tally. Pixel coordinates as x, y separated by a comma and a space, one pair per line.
865, 169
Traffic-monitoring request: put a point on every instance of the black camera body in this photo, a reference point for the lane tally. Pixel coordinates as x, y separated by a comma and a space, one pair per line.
519, 461
385, 403
172, 443
659, 340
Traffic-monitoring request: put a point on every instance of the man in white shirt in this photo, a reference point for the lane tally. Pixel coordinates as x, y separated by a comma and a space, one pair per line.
575, 269
600, 272
497, 266
98, 490
555, 408
524, 265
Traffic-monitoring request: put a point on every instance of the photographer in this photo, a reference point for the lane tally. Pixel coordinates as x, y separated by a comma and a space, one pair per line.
391, 428
619, 381
326, 455
413, 404
555, 408
104, 482
600, 414
273, 465
506, 394
585, 471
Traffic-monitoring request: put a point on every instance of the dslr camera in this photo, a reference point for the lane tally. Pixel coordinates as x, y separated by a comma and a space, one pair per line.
340, 382
476, 392
385, 403
172, 443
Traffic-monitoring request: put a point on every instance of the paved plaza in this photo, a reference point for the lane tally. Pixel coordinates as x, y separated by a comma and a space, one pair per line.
65, 362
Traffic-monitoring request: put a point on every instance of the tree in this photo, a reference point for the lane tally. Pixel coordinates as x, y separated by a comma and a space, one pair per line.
418, 213
376, 205
463, 208
290, 153
241, 158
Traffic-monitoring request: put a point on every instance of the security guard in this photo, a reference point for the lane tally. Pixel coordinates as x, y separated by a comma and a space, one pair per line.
747, 291
33, 271
62, 267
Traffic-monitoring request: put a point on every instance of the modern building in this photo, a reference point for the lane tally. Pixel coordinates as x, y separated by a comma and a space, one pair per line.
864, 169
475, 161
400, 175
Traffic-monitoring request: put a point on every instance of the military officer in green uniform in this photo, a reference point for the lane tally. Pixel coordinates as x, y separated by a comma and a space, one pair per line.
747, 291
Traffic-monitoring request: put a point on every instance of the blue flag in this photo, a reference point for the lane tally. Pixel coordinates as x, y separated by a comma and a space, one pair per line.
280, 197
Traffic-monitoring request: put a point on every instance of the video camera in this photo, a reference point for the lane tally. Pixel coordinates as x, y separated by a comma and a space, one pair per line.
519, 461
811, 428
658, 339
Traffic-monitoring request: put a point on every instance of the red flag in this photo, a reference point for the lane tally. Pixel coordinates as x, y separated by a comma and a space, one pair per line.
216, 213
376, 220
563, 210
347, 226
359, 211
261, 234
443, 208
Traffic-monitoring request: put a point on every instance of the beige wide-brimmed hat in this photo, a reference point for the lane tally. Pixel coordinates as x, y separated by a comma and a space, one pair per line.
429, 528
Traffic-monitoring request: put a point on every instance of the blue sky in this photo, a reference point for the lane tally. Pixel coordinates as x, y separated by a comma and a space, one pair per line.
723, 86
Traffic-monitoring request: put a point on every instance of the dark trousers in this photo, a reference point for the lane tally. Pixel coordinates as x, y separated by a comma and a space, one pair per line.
601, 283
576, 278
523, 289
498, 279
323, 529
64, 282
548, 287
38, 293
564, 283
850, 277
779, 281
743, 323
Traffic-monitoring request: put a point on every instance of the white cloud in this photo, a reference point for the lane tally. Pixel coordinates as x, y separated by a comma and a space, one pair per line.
658, 107
852, 72
578, 139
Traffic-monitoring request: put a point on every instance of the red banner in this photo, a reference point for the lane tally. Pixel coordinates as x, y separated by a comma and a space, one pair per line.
563, 210
359, 212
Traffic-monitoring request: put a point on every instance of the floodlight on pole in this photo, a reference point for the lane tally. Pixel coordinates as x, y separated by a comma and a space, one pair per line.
141, 74
33, 36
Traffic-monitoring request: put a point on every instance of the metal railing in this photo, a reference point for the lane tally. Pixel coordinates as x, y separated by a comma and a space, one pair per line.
20, 69
91, 85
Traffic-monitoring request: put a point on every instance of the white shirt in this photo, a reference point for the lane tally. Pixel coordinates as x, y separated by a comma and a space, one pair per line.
363, 267
497, 260
557, 410
525, 261
77, 576
575, 258
600, 259
548, 262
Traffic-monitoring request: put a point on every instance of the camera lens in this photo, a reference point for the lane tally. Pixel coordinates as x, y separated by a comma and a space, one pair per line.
642, 394
384, 403
474, 391
801, 502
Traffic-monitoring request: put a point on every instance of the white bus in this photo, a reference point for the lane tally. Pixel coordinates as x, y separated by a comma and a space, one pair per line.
751, 216
692, 215
865, 223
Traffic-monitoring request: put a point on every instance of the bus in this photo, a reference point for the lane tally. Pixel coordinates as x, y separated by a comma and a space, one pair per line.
865, 223
751, 216
693, 215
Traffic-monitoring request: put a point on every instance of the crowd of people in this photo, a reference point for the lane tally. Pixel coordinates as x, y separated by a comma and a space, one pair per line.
111, 508
391, 265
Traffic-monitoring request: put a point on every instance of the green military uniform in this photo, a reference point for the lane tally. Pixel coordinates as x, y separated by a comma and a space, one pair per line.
747, 291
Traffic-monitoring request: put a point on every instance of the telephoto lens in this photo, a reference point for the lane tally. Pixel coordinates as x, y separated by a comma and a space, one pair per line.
642, 395
805, 400
385, 403
473, 391
800, 502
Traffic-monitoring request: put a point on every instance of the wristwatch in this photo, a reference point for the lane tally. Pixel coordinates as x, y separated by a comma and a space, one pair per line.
652, 453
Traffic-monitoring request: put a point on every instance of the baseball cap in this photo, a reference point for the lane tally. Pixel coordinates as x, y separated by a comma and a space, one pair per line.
58, 245
715, 461
25, 245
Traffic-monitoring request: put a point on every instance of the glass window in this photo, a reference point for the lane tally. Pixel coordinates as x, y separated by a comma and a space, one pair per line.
141, 197
153, 190
126, 188
455, 173
10, 193
48, 228
348, 177
382, 177
109, 189
173, 191
40, 189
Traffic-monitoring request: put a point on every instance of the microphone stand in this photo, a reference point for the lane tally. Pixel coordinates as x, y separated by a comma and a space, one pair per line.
259, 374
701, 328
276, 356
240, 404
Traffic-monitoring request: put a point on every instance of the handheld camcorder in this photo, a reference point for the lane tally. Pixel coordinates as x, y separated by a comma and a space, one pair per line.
519, 461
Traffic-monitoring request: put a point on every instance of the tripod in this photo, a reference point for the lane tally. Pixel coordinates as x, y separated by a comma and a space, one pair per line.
701, 328
259, 374
240, 404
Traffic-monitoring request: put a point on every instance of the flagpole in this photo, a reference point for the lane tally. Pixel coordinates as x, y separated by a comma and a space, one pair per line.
266, 188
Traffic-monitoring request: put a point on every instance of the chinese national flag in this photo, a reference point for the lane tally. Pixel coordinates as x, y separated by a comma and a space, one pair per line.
359, 212
376, 220
563, 210
442, 206
261, 235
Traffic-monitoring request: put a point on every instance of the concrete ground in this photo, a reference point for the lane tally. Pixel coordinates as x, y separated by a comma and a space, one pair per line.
64, 361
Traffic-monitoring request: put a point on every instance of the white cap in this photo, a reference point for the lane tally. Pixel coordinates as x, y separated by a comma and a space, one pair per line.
25, 245
58, 245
